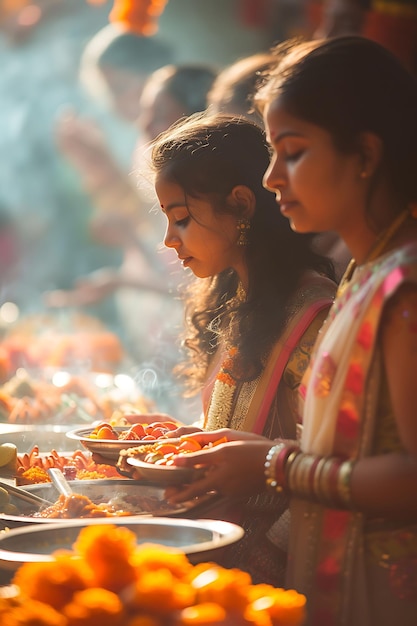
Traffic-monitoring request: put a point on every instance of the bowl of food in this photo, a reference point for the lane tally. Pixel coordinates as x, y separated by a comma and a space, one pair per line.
156, 462
164, 474
98, 499
108, 441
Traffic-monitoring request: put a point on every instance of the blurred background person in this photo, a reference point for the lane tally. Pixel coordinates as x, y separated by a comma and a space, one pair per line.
235, 85
232, 92
143, 285
391, 23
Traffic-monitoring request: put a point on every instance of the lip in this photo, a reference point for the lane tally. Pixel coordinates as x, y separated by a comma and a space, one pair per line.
185, 260
287, 206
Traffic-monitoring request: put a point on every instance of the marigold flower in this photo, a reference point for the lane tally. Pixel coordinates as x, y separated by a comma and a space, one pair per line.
202, 615
32, 613
95, 607
140, 16
283, 606
153, 557
144, 620
227, 587
52, 582
107, 550
158, 591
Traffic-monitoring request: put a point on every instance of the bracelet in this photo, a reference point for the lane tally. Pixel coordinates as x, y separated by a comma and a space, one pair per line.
269, 467
323, 479
343, 484
276, 463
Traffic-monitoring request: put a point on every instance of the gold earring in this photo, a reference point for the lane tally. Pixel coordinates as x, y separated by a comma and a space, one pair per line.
243, 226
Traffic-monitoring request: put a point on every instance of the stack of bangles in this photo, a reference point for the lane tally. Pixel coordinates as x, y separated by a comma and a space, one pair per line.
322, 479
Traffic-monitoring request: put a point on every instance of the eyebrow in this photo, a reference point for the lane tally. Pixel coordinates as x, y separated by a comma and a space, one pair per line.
283, 135
173, 205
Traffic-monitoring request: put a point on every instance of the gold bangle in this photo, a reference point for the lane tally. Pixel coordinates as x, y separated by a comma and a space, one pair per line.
343, 484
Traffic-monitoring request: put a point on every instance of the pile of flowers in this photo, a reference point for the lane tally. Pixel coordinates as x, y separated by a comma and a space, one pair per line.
108, 580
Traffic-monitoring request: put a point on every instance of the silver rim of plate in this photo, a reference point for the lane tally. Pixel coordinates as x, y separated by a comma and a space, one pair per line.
192, 536
109, 448
165, 474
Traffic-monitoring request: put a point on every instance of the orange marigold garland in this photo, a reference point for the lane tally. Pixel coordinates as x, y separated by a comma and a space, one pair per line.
223, 393
138, 16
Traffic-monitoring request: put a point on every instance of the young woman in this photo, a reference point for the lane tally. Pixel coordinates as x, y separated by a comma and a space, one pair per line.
261, 293
340, 117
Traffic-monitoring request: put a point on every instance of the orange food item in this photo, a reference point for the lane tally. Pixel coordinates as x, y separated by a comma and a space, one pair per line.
218, 441
189, 444
166, 448
138, 429
157, 432
78, 506
107, 432
129, 435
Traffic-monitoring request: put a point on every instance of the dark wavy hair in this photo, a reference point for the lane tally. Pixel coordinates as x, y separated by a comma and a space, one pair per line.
207, 156
347, 86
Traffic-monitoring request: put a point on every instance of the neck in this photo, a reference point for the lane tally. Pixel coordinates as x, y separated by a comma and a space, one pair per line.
368, 246
387, 237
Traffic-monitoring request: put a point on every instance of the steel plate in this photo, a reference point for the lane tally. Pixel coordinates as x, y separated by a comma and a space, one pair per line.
107, 448
148, 499
198, 538
165, 474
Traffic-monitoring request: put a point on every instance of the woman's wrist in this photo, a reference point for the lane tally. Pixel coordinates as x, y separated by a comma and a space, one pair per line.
326, 480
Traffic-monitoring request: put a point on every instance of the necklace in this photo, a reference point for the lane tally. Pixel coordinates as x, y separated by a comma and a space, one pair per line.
223, 394
376, 250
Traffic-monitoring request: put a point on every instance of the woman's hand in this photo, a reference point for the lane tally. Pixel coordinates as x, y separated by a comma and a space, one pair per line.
233, 469
205, 437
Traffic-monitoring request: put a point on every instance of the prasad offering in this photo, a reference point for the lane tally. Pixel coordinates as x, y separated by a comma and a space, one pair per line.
156, 462
108, 441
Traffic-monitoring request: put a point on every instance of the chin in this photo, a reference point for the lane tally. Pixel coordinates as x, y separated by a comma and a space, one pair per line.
301, 227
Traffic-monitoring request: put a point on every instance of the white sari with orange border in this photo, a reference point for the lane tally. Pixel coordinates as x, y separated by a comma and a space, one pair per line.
354, 572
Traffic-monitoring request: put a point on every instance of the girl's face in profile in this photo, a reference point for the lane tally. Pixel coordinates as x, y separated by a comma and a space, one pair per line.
205, 241
318, 187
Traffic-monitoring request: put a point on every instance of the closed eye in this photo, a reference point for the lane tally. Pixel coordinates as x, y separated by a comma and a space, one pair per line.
289, 158
182, 223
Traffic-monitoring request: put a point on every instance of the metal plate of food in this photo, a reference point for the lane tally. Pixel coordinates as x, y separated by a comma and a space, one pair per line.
107, 448
131, 497
196, 538
164, 474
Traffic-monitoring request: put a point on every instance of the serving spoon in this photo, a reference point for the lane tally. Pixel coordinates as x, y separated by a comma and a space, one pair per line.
60, 481
22, 494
